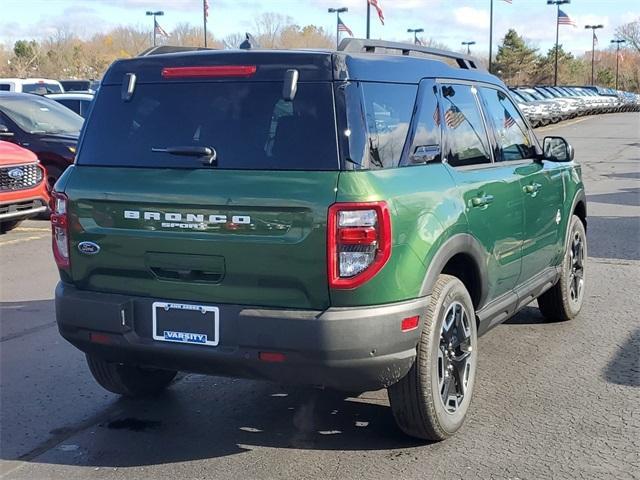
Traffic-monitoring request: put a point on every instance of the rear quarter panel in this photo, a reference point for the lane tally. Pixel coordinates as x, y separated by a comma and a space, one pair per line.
424, 213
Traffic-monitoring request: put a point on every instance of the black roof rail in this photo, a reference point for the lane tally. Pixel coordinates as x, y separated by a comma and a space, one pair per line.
361, 45
159, 50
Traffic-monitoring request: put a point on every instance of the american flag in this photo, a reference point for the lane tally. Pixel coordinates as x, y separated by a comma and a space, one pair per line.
508, 1
376, 5
595, 38
453, 117
436, 116
159, 30
206, 9
508, 120
343, 28
564, 19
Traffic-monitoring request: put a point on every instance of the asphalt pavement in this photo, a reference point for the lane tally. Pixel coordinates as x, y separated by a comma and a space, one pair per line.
552, 400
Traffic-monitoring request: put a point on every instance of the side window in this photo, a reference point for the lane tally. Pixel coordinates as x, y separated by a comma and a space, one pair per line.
512, 136
425, 146
467, 142
72, 105
4, 87
388, 112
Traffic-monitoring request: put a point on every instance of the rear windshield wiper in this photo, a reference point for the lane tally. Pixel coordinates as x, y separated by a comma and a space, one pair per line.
190, 151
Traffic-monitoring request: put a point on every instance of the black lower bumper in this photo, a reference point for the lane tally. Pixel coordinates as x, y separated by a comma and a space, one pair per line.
353, 349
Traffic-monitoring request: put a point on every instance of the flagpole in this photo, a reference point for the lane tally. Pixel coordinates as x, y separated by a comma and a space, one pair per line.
555, 74
490, 33
368, 19
204, 18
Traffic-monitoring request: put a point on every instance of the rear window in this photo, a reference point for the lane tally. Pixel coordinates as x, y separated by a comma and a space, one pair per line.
41, 88
248, 124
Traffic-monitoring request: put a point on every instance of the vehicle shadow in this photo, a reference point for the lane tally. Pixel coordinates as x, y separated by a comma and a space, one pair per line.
624, 367
208, 417
626, 196
609, 237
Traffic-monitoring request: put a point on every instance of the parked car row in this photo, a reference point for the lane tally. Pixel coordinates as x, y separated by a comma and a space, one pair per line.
543, 105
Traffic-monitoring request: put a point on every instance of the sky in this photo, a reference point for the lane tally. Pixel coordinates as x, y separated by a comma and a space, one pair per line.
446, 21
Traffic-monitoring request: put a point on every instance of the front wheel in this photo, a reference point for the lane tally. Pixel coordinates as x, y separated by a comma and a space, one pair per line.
564, 300
129, 380
432, 400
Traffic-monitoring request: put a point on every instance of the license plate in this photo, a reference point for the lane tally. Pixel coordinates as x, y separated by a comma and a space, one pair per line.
184, 323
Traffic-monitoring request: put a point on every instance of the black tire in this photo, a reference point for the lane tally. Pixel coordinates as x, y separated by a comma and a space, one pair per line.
417, 399
564, 300
8, 226
129, 380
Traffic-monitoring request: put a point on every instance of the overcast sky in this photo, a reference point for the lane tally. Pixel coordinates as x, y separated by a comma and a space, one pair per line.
447, 21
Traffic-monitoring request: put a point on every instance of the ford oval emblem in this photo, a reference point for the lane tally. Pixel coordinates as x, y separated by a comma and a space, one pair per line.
88, 248
16, 173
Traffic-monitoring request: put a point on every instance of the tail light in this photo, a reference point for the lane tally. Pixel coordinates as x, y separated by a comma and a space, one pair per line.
60, 229
215, 71
359, 242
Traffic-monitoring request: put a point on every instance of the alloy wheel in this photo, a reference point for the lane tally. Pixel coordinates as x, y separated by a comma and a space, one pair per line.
456, 356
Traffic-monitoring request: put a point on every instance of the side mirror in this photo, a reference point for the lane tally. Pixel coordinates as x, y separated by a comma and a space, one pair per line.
4, 131
557, 149
425, 154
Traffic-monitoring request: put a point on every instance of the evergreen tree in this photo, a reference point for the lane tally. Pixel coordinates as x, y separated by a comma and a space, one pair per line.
515, 61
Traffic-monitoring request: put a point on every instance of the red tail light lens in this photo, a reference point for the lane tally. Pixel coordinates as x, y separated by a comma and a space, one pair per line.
359, 242
216, 71
60, 229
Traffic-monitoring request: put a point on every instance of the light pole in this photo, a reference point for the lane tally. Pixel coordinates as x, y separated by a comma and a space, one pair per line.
155, 14
617, 41
593, 47
415, 32
337, 11
557, 3
468, 44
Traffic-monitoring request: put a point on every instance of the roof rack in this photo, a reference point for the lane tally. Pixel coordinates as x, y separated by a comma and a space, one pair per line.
361, 45
159, 50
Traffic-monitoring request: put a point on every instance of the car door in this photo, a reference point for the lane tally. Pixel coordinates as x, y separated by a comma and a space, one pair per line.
490, 190
540, 182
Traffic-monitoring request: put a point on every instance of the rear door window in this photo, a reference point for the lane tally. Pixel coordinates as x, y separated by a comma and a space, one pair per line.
248, 124
425, 146
512, 136
467, 141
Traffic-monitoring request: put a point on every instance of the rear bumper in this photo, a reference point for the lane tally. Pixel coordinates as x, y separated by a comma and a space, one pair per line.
353, 349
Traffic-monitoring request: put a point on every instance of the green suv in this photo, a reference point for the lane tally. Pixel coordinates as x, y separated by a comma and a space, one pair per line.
353, 219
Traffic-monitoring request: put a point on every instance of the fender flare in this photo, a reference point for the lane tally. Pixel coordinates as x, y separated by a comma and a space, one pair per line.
460, 243
577, 198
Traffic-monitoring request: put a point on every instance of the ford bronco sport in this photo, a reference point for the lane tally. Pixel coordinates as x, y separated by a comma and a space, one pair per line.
354, 219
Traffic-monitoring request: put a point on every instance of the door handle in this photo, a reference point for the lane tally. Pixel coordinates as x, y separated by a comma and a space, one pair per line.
481, 201
532, 188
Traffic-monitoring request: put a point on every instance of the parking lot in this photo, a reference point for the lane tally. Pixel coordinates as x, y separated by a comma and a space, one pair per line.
552, 400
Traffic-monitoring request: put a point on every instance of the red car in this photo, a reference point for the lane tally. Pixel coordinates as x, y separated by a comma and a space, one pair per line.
23, 189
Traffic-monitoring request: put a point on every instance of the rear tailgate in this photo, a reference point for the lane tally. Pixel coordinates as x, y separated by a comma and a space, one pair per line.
171, 234
242, 223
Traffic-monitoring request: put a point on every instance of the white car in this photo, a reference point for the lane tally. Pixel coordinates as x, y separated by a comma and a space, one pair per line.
39, 86
79, 102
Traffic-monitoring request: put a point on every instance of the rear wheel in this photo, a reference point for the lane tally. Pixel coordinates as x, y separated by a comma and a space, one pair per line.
129, 380
6, 226
432, 400
564, 300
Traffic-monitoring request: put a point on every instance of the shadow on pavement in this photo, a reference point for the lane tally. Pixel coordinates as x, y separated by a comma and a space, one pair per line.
627, 196
208, 417
624, 367
614, 237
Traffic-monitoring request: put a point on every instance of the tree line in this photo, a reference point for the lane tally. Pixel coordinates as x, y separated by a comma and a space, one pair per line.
518, 62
